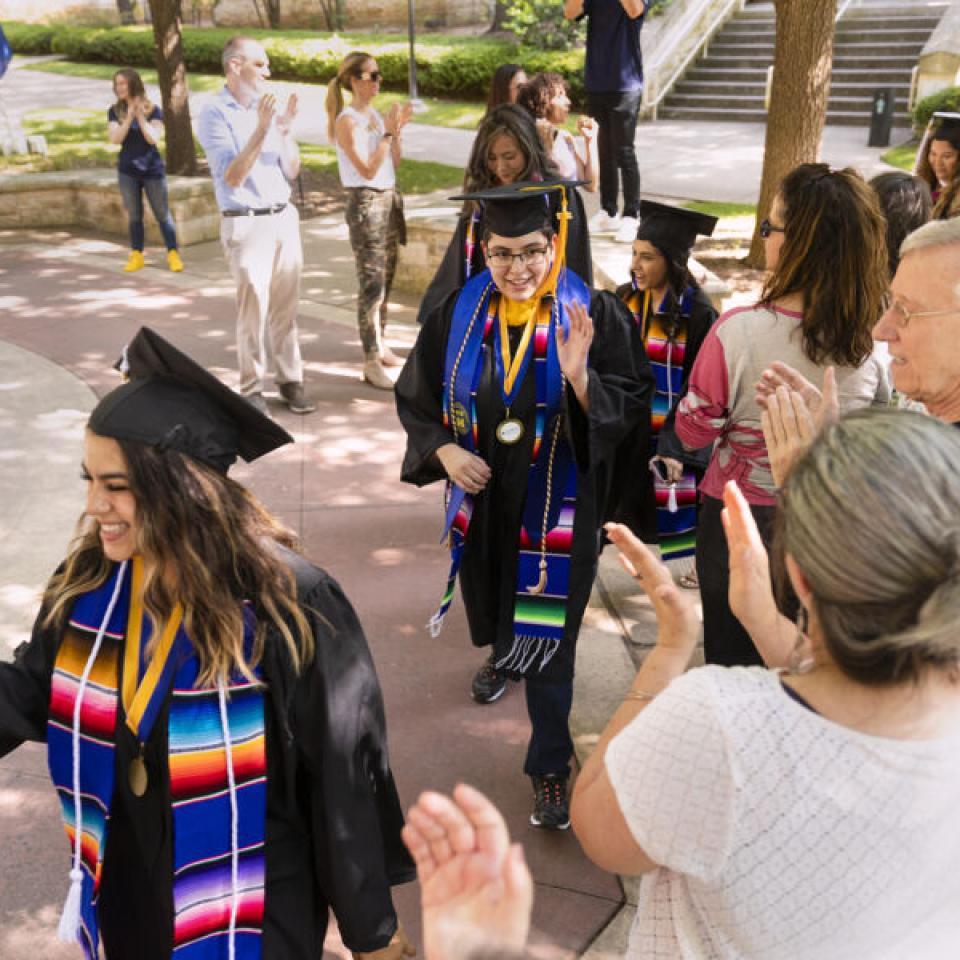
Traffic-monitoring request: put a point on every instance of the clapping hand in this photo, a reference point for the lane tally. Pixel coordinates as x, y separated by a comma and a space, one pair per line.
266, 110
587, 127
573, 348
285, 122
677, 625
794, 413
476, 889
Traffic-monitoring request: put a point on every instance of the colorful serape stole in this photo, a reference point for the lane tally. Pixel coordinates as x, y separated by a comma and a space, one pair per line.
543, 569
204, 872
665, 342
217, 778
97, 709
470, 242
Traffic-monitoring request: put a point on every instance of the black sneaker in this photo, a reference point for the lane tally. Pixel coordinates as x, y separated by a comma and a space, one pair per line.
550, 809
488, 683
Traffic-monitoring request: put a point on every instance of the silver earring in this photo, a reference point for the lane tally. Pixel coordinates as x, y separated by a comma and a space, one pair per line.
800, 660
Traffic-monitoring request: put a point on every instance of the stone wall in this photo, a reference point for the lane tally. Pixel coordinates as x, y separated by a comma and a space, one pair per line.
939, 64
361, 14
91, 199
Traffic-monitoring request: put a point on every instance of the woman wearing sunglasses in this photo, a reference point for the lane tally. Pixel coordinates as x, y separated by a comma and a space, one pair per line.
368, 152
825, 246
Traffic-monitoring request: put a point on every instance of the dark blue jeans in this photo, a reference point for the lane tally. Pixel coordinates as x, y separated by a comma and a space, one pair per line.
616, 116
132, 190
548, 706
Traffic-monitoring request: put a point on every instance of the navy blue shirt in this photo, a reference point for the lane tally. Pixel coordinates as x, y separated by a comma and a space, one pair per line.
614, 62
137, 157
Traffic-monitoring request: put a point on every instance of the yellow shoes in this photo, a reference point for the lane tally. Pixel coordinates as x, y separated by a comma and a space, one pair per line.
135, 262
174, 262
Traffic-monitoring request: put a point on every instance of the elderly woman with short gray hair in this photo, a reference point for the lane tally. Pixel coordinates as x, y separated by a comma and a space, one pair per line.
807, 812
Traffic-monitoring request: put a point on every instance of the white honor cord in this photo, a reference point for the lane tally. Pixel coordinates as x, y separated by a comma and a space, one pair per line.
68, 930
234, 822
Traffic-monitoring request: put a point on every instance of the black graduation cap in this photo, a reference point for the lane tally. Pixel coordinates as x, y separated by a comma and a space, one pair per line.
516, 209
171, 402
945, 123
673, 230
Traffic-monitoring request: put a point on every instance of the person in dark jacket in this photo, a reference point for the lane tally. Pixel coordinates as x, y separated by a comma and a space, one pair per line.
214, 725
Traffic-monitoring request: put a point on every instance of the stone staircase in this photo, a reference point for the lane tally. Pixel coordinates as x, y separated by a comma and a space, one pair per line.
875, 46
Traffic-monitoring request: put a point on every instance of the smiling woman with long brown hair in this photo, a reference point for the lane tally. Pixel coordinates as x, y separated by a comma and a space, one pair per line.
188, 673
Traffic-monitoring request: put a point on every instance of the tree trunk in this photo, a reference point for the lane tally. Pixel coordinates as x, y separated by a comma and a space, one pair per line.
802, 63
273, 13
125, 9
172, 77
499, 16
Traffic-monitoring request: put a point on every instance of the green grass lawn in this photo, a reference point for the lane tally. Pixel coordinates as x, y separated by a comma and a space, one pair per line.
902, 156
77, 139
723, 210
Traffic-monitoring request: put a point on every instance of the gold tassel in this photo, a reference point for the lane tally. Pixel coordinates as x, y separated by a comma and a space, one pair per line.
541, 584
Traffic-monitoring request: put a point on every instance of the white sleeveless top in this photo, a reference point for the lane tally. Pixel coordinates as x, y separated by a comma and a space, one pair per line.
368, 132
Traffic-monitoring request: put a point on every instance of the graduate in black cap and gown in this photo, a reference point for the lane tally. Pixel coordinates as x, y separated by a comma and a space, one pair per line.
938, 163
517, 392
213, 720
655, 480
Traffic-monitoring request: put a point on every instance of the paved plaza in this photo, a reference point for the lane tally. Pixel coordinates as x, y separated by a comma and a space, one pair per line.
66, 309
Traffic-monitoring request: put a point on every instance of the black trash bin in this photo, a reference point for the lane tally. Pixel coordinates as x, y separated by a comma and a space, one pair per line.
881, 117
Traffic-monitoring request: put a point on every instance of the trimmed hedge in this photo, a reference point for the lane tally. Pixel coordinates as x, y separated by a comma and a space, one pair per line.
947, 100
460, 70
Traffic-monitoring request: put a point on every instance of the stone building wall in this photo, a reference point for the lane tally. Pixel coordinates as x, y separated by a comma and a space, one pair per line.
358, 14
361, 14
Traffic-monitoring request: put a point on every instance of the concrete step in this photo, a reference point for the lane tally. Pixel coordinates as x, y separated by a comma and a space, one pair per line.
737, 34
747, 88
903, 64
705, 73
738, 115
747, 100
892, 46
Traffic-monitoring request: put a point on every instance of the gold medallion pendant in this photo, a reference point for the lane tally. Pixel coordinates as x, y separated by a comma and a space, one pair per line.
137, 776
510, 431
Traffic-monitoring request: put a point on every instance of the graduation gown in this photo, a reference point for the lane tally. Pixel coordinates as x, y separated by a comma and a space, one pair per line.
619, 394
333, 818
632, 500
451, 274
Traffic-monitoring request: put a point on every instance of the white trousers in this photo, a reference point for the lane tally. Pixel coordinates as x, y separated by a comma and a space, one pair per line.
266, 258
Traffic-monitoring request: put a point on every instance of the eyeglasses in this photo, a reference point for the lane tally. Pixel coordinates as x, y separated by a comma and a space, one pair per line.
901, 316
375, 76
502, 259
766, 228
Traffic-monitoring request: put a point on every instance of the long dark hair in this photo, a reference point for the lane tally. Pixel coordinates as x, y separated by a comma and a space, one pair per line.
834, 254
906, 205
500, 85
135, 88
515, 122
210, 546
949, 134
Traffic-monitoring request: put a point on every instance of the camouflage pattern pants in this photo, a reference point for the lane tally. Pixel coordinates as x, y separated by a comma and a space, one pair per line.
375, 220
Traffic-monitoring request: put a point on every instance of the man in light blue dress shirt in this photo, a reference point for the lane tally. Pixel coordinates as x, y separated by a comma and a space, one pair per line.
253, 157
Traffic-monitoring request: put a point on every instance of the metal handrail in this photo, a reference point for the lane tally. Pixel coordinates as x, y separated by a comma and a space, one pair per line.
845, 5
682, 33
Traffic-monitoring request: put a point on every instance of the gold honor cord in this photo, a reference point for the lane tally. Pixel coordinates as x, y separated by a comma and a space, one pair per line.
136, 697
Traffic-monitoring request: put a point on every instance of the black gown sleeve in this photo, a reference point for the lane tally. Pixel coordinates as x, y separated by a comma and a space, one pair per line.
703, 315
340, 733
621, 386
25, 688
419, 399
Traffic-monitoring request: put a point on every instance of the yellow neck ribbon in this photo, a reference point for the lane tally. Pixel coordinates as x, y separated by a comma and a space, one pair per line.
136, 697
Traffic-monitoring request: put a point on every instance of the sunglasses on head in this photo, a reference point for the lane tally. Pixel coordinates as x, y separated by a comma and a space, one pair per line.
374, 75
766, 228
